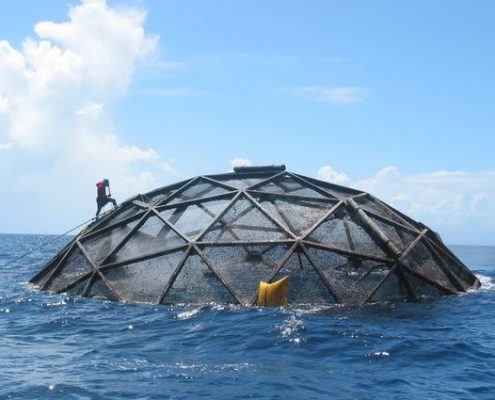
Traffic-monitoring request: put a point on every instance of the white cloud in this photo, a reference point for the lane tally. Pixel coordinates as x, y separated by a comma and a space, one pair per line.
335, 95
6, 146
91, 111
327, 173
88, 60
54, 93
460, 205
240, 162
99, 42
4, 104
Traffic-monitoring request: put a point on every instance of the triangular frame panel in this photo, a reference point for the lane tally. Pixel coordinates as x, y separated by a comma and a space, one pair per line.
244, 220
195, 278
242, 267
297, 216
306, 286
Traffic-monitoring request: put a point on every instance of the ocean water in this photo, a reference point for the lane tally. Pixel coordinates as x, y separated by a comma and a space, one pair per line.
62, 347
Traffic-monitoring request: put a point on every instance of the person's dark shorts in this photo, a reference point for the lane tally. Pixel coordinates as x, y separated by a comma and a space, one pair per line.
102, 201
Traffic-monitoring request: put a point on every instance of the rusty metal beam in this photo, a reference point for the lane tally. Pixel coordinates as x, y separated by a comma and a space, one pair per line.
445, 269
127, 236
265, 181
175, 274
219, 216
104, 267
122, 222
217, 273
321, 274
322, 219
373, 214
171, 226
57, 265
330, 186
102, 277
306, 183
294, 197
371, 227
220, 184
348, 253
267, 214
397, 263
277, 268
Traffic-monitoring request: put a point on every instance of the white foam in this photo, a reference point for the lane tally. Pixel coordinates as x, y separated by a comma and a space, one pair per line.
486, 282
291, 329
57, 303
313, 308
188, 314
234, 367
182, 365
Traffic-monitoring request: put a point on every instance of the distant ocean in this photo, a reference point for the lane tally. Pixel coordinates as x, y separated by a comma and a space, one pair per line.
62, 347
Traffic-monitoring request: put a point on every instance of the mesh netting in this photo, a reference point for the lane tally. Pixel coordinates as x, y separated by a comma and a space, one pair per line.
99, 247
242, 267
197, 283
307, 286
287, 185
244, 221
340, 231
213, 239
192, 219
73, 268
144, 281
197, 191
298, 216
152, 237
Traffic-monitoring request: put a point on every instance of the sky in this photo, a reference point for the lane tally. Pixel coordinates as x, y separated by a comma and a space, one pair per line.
394, 98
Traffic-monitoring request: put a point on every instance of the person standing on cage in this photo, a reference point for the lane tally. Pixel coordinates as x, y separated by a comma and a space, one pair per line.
102, 198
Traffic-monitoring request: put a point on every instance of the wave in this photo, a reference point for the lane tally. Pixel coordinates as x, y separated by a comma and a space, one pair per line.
486, 282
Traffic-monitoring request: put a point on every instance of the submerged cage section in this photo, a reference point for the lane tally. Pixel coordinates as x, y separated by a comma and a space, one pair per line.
212, 239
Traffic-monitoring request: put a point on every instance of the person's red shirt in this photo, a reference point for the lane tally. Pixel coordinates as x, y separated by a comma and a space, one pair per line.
100, 190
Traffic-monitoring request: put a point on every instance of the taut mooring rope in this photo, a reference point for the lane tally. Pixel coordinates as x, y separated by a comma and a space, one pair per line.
51, 240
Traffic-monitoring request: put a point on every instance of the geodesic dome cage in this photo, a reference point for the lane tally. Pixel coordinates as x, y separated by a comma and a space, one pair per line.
212, 239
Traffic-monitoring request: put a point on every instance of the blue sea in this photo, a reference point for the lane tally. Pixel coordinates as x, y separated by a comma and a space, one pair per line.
63, 347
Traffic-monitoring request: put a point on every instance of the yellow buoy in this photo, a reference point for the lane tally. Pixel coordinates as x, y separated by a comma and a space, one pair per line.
274, 294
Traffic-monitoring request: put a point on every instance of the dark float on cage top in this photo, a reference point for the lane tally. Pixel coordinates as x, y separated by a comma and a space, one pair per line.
213, 238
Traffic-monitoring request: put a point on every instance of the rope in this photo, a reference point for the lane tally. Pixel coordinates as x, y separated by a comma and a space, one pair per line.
52, 240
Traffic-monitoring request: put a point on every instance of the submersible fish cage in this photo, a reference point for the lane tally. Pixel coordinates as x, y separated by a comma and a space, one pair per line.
213, 238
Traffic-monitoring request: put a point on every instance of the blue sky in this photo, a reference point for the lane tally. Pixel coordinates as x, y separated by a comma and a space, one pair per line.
395, 98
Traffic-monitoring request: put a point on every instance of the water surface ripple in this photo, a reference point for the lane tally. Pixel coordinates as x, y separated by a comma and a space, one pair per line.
65, 347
